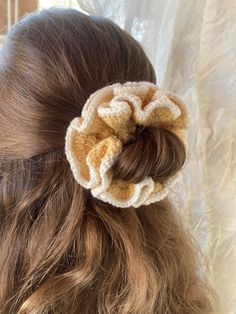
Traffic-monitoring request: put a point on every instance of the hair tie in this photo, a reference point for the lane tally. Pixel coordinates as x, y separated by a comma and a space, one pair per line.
95, 139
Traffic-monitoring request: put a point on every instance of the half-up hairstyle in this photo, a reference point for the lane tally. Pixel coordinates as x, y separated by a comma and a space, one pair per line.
61, 250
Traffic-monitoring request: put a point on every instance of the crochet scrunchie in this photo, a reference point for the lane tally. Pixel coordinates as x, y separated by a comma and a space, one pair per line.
94, 140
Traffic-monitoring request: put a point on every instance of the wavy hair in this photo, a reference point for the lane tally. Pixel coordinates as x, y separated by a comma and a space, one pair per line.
62, 251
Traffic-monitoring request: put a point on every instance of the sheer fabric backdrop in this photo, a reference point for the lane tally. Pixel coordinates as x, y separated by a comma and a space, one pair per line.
192, 45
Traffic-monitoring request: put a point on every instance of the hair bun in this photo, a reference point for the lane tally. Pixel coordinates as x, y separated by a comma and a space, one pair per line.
151, 152
128, 144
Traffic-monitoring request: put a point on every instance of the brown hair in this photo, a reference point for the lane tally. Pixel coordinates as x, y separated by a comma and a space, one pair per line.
62, 251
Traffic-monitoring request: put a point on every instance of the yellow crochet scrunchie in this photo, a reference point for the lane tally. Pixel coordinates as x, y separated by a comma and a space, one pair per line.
94, 140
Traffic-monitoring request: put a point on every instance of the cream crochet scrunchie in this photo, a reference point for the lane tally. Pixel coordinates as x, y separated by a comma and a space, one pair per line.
94, 140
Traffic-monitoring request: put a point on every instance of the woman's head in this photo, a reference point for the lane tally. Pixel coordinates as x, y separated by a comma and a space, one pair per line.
62, 250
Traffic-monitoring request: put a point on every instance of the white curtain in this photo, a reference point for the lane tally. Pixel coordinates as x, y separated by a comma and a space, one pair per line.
192, 45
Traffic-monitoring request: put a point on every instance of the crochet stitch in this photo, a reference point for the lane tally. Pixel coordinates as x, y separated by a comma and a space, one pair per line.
110, 115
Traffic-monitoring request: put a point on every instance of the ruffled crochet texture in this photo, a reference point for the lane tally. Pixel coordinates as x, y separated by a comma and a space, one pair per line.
108, 119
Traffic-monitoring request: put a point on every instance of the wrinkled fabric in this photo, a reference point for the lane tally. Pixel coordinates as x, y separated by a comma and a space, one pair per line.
192, 45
